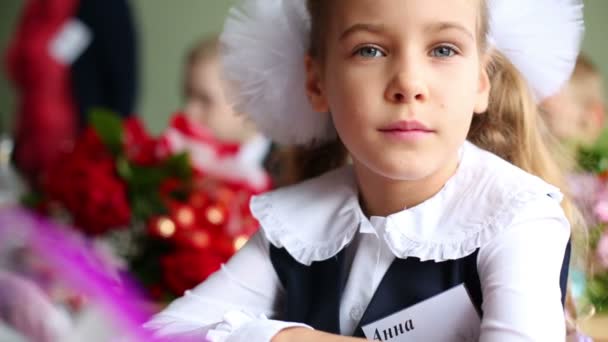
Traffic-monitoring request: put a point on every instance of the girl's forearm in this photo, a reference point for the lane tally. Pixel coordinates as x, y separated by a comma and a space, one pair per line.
304, 334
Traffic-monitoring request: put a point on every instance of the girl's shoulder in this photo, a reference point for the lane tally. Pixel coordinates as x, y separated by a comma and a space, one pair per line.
491, 196
498, 192
314, 219
487, 175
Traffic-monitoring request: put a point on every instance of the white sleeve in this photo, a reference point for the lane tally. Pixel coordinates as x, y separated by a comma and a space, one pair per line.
520, 273
232, 304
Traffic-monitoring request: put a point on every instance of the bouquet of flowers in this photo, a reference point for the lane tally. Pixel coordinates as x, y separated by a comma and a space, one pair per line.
163, 204
590, 191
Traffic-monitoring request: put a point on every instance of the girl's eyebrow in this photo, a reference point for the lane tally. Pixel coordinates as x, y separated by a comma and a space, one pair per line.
373, 28
379, 28
448, 25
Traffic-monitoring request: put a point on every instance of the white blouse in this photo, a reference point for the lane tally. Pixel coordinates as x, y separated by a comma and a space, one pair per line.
512, 217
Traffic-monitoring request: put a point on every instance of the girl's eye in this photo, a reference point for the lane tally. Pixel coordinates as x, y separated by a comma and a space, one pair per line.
443, 51
370, 52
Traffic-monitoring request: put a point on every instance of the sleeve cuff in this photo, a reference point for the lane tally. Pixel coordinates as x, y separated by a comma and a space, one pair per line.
243, 327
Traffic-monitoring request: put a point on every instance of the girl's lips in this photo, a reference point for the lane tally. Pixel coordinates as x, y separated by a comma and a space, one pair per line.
407, 130
406, 126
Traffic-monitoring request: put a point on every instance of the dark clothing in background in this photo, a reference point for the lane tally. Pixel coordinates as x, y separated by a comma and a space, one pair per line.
105, 75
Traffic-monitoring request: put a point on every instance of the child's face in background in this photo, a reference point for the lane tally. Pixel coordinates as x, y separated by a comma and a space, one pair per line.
572, 121
396, 62
207, 103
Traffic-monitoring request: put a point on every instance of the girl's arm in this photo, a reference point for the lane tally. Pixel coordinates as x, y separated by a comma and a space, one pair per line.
520, 275
305, 335
231, 305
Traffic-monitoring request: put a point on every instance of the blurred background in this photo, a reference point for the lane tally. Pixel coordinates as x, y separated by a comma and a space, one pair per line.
165, 33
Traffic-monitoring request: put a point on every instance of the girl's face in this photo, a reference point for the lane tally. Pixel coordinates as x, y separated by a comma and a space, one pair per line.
207, 103
402, 80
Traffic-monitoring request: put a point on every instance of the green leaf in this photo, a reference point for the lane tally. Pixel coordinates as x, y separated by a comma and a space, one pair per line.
179, 166
146, 265
32, 199
108, 125
595, 234
144, 183
597, 292
146, 177
146, 204
601, 144
594, 158
124, 169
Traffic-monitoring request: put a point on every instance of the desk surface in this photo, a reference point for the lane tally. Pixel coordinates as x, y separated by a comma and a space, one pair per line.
596, 327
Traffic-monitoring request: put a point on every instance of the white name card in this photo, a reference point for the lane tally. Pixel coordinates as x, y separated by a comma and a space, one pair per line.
447, 317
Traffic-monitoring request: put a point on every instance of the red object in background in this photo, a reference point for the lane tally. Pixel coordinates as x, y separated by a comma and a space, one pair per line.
205, 231
86, 183
213, 158
202, 135
204, 221
140, 147
185, 269
46, 115
201, 220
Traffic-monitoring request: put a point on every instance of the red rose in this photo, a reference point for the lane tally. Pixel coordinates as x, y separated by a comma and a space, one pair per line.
139, 146
185, 269
90, 147
98, 202
169, 185
85, 182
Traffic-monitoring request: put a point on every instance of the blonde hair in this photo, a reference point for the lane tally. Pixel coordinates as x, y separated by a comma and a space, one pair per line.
204, 50
513, 129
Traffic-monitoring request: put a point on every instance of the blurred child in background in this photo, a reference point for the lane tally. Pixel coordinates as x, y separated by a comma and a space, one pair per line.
222, 142
206, 101
576, 114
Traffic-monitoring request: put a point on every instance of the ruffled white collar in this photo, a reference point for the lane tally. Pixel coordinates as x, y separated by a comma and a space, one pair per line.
315, 219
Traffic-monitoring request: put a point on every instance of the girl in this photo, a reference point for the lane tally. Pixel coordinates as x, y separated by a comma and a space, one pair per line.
439, 201
228, 146
205, 95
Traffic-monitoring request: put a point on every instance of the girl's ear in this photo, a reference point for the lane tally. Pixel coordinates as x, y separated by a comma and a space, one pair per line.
314, 86
484, 86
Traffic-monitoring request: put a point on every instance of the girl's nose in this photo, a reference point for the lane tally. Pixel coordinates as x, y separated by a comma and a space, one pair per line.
407, 85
